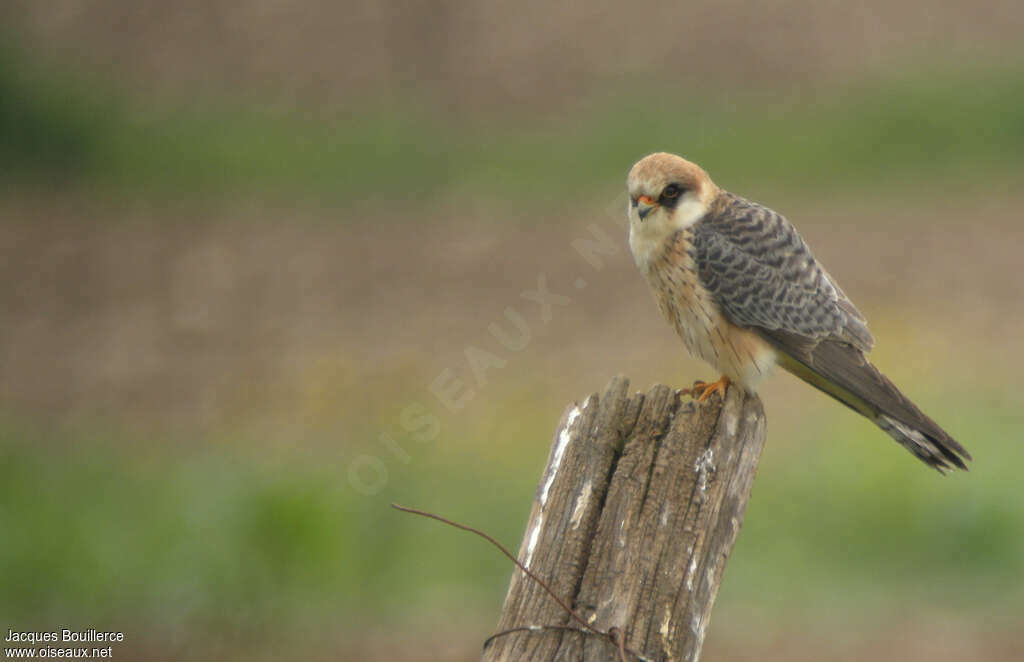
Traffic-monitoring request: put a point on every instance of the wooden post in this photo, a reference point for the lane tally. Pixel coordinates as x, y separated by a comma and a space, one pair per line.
634, 518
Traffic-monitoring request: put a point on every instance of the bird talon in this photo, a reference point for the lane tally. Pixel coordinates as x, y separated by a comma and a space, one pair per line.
704, 390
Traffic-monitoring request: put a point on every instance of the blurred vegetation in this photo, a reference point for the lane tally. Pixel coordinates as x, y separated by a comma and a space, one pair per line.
105, 528
962, 128
44, 129
225, 544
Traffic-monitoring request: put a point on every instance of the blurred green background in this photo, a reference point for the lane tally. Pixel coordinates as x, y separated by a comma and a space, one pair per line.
240, 241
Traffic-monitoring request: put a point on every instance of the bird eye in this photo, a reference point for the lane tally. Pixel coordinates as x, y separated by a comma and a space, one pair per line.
671, 192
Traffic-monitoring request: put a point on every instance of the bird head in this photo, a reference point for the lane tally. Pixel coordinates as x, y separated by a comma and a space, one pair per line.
666, 193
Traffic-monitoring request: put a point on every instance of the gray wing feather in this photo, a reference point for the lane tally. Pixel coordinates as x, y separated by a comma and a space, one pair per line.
762, 274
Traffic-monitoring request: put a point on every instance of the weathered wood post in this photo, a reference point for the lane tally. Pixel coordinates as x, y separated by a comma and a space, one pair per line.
634, 518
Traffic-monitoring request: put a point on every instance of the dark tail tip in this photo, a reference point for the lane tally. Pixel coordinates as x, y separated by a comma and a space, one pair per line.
941, 453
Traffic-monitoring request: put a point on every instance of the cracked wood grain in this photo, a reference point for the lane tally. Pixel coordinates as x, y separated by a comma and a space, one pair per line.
634, 518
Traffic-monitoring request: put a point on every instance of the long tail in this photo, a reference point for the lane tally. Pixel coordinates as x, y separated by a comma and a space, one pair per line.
843, 372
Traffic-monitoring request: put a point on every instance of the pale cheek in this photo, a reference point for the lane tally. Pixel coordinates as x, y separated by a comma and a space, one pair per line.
688, 212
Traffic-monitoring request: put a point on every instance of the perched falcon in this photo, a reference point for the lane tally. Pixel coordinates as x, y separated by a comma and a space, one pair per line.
744, 292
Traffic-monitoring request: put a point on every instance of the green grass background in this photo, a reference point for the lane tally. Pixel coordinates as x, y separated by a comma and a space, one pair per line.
220, 540
959, 129
106, 526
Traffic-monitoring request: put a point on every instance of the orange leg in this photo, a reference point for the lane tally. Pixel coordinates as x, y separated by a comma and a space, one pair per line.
703, 390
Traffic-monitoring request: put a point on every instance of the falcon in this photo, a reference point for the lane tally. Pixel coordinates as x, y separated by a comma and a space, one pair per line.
745, 293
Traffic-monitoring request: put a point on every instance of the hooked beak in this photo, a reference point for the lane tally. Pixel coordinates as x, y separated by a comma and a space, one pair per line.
645, 204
